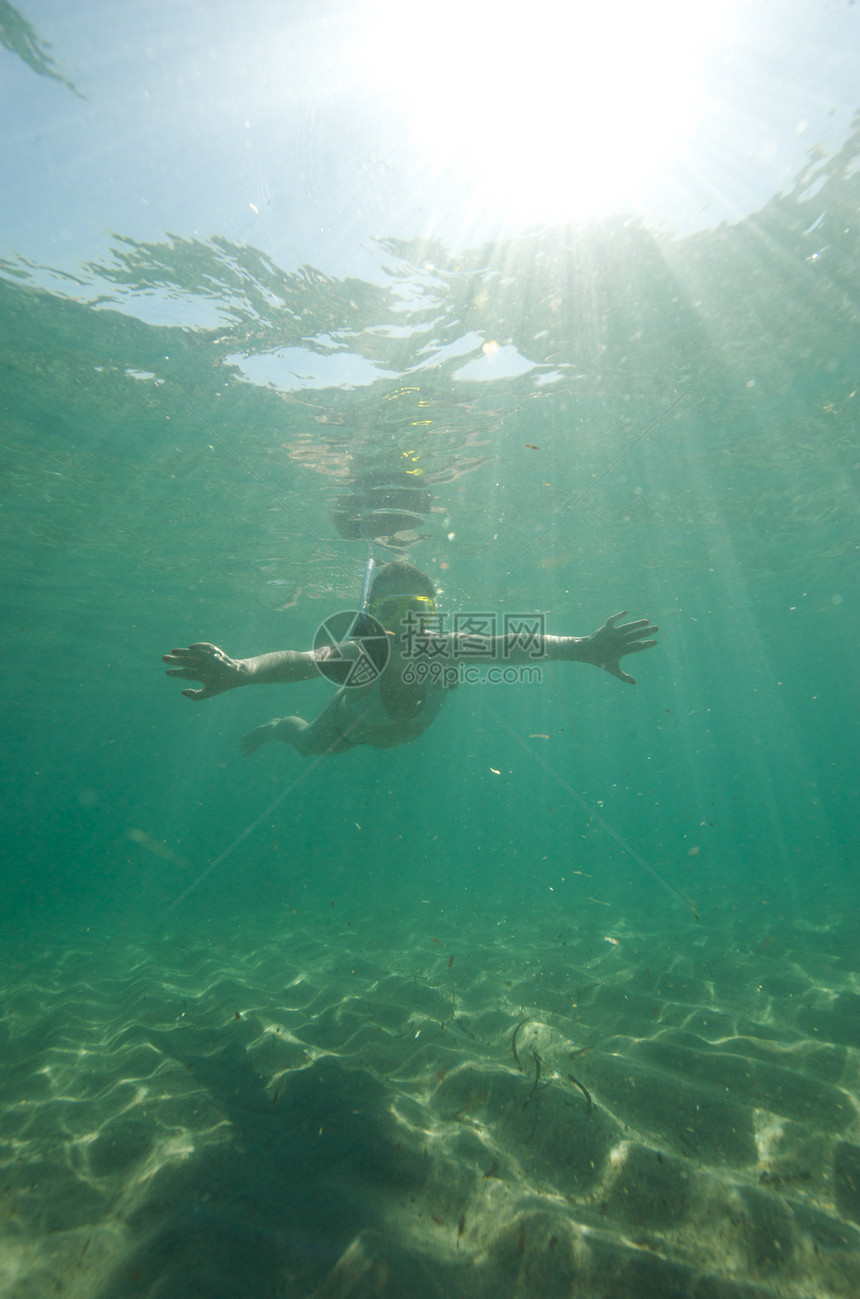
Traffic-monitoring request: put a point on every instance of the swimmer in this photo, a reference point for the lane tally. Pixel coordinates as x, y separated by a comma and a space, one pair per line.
401, 701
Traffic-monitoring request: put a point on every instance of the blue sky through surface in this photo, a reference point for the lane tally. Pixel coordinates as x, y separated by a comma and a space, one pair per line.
313, 130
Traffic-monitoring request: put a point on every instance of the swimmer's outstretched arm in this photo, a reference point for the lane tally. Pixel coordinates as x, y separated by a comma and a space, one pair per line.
604, 648
218, 672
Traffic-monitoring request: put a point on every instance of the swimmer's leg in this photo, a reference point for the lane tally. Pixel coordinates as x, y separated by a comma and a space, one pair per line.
291, 730
310, 739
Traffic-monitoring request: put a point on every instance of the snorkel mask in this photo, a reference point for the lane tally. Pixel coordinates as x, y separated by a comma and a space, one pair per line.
390, 610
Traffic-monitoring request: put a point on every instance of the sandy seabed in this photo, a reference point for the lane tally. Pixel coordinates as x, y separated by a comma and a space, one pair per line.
413, 1106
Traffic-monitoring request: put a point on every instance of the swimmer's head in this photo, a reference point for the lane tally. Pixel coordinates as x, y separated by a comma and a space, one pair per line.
398, 590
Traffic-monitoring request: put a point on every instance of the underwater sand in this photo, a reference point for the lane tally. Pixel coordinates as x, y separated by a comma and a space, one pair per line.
332, 1107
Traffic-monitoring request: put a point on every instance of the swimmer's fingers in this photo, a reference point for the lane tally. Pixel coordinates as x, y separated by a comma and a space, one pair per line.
206, 663
194, 656
613, 665
636, 647
199, 652
206, 691
610, 643
635, 630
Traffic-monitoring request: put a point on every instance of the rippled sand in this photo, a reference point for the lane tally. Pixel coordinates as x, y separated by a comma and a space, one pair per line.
337, 1106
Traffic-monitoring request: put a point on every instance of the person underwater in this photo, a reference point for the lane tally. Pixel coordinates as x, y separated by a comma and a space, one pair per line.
404, 679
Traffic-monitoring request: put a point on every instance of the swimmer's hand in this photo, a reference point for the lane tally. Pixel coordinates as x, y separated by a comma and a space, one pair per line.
609, 644
206, 663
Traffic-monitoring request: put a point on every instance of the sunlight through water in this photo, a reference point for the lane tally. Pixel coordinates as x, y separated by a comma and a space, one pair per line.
547, 111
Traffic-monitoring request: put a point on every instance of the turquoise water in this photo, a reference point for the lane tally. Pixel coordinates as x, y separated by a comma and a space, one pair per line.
201, 946
154, 497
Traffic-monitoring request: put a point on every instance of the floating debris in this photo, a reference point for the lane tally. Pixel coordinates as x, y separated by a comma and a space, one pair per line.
537, 1079
584, 1090
514, 1043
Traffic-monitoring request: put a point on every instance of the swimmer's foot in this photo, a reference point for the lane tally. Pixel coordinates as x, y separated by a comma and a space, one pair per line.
261, 735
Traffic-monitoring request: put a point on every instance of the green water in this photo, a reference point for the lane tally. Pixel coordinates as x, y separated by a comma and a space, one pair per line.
607, 416
692, 420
